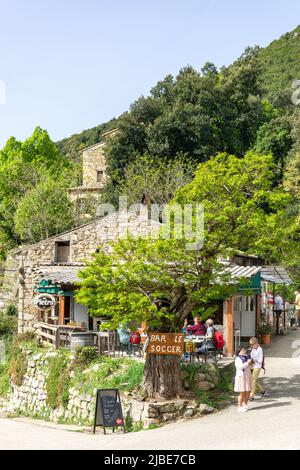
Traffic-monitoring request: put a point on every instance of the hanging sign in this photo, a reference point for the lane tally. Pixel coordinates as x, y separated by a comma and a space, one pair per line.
166, 343
44, 301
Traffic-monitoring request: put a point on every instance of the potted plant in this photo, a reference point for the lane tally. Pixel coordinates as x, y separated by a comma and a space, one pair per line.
264, 331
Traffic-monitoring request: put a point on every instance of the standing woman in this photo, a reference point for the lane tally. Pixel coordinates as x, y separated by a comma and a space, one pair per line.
243, 380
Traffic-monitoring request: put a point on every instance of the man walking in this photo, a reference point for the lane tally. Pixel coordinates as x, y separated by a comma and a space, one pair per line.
257, 356
278, 307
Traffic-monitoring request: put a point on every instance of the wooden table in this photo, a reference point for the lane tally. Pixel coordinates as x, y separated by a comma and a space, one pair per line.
106, 341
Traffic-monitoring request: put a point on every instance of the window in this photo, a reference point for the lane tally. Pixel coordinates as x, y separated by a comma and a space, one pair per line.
100, 176
62, 252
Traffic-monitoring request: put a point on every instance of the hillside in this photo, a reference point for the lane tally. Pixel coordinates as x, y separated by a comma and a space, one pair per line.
281, 62
71, 146
280, 66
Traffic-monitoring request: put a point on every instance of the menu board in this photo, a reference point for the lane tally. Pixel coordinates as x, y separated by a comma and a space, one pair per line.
108, 412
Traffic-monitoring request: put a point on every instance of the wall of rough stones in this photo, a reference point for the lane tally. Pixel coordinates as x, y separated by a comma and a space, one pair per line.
9, 282
30, 399
93, 161
84, 241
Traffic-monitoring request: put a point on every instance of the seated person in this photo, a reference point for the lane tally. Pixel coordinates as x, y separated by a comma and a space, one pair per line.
198, 329
209, 343
185, 326
124, 334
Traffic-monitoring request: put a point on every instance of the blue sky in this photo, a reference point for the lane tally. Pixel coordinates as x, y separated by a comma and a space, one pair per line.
69, 65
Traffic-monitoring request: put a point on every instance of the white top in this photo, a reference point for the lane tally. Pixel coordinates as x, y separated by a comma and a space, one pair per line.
257, 355
240, 366
279, 302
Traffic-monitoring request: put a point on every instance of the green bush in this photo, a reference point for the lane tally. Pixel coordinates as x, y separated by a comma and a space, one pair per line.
11, 310
28, 336
63, 386
57, 381
8, 325
84, 355
124, 374
4, 380
18, 367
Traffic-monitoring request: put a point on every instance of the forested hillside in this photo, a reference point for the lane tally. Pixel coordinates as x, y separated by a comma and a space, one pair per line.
281, 64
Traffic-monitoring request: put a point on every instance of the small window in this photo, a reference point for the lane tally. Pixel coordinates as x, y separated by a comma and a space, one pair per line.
100, 176
62, 252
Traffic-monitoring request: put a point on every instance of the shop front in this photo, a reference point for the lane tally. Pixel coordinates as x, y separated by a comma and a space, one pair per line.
56, 309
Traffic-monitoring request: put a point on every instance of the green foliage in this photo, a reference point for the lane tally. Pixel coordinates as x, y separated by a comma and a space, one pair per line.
195, 114
57, 381
84, 355
265, 329
18, 367
124, 374
155, 179
18, 349
11, 310
8, 325
274, 137
280, 63
30, 170
4, 380
243, 209
161, 280
71, 147
227, 375
44, 211
4, 367
130, 426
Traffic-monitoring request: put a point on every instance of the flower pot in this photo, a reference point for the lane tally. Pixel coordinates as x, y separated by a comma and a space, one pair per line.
266, 339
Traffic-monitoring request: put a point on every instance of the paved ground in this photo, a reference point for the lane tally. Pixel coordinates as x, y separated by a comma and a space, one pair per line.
272, 422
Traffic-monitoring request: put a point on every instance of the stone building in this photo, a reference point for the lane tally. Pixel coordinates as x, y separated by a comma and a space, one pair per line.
94, 171
51, 266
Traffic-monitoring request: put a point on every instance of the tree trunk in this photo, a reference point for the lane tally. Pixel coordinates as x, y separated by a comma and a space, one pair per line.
162, 377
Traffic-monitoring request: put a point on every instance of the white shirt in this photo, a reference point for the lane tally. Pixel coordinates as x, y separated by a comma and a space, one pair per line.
240, 366
257, 355
278, 302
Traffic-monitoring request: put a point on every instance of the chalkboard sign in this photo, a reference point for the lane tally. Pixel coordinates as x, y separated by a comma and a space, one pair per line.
108, 411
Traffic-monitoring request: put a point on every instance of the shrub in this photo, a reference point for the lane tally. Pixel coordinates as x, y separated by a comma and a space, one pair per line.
84, 355
4, 380
63, 386
27, 336
57, 382
11, 310
18, 367
8, 325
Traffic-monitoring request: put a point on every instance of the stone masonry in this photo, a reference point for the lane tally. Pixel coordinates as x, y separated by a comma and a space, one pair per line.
84, 241
30, 399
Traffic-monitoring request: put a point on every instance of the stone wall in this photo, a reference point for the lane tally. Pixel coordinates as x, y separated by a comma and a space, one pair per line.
30, 399
9, 282
84, 241
93, 161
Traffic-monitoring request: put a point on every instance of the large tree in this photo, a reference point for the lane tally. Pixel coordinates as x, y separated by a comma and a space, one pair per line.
199, 114
24, 166
164, 280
